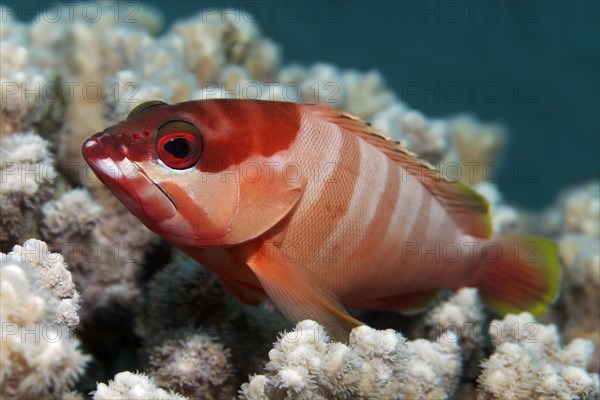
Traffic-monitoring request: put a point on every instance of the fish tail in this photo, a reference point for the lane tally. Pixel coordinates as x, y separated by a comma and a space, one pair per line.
518, 273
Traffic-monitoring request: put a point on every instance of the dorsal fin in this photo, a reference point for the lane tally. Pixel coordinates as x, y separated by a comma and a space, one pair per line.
467, 208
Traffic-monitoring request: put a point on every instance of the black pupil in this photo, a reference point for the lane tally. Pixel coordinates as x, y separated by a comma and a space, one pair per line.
178, 148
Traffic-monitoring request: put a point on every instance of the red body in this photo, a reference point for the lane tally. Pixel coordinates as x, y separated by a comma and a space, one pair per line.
313, 190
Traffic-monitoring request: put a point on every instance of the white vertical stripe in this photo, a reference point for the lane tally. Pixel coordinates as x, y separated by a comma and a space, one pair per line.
368, 189
404, 217
329, 151
437, 215
391, 239
412, 206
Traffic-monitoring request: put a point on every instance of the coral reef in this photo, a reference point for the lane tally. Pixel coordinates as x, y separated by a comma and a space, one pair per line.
179, 310
39, 354
128, 385
529, 362
461, 315
145, 307
581, 294
477, 145
574, 223
30, 95
433, 368
579, 245
175, 287
27, 172
195, 365
504, 217
71, 217
581, 210
105, 257
305, 364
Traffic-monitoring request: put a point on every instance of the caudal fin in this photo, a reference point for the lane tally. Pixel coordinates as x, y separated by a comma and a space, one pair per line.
518, 273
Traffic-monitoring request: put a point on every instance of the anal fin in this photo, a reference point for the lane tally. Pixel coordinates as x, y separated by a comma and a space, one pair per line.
298, 293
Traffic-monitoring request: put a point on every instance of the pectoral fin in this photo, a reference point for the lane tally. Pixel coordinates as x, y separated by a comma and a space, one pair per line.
298, 293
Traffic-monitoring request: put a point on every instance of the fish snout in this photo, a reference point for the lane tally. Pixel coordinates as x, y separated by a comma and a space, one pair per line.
101, 145
91, 148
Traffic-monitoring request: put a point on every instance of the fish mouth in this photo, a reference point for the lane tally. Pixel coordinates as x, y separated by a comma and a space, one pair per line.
127, 180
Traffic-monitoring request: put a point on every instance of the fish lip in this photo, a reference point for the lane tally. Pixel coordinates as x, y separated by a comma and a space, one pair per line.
94, 148
101, 157
87, 146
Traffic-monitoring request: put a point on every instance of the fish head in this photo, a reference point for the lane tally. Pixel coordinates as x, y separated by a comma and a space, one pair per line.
177, 168
150, 162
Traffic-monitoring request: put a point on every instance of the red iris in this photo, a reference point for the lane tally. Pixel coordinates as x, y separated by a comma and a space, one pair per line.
179, 144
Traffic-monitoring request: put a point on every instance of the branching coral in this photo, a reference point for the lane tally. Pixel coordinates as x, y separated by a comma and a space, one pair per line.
581, 210
529, 362
70, 218
305, 364
192, 330
463, 147
575, 224
185, 287
39, 355
460, 317
56, 70
128, 385
193, 364
105, 258
30, 95
212, 40
27, 174
580, 256
193, 54
504, 217
430, 138
185, 299
477, 146
433, 368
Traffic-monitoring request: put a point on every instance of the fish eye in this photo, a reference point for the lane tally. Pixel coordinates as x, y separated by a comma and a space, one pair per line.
144, 105
179, 144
